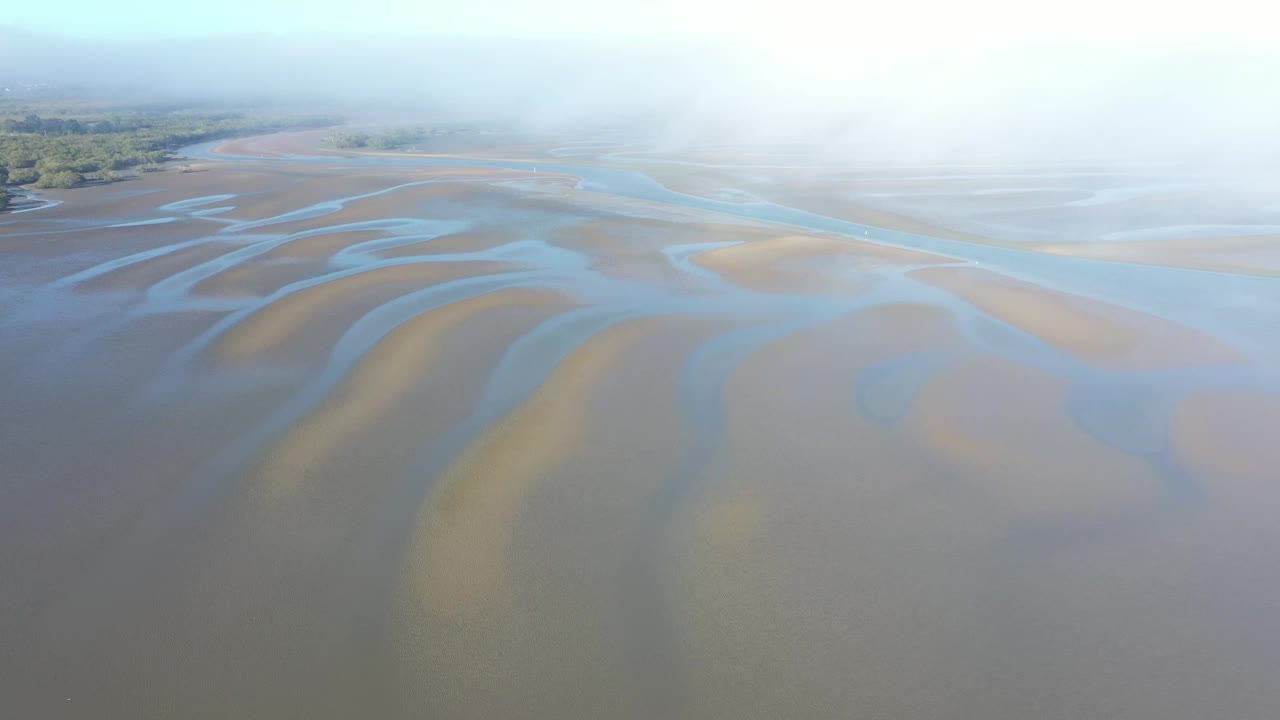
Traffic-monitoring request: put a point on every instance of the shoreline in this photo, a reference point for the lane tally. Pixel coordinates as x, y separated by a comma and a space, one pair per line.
24, 200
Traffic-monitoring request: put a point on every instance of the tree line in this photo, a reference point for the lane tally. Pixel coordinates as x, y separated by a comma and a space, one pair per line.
34, 124
390, 139
380, 141
65, 153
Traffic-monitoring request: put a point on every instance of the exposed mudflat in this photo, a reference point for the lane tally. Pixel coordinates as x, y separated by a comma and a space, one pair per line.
400, 436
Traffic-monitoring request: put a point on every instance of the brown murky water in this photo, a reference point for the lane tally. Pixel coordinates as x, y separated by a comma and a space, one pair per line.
343, 439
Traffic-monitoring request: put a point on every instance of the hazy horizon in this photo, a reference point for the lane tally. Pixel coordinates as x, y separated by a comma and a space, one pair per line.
1191, 103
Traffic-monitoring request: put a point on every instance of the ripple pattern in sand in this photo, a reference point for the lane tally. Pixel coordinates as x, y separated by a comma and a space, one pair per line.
440, 443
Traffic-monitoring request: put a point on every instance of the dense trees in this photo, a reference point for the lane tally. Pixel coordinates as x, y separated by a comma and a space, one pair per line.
59, 152
23, 176
396, 138
34, 124
385, 140
63, 179
350, 140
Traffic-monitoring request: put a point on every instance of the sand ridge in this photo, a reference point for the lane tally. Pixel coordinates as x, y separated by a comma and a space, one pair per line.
1095, 331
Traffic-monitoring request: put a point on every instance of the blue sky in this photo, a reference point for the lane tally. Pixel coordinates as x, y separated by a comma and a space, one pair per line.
783, 25
442, 17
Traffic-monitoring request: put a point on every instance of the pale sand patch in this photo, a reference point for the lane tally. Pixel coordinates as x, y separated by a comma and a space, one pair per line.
693, 181
1228, 440
632, 249
322, 245
311, 143
818, 565
307, 188
576, 628
293, 261
1244, 255
805, 586
257, 278
840, 206
397, 199
1094, 331
778, 264
270, 192
139, 199
274, 325
143, 274
461, 549
620, 234
275, 145
459, 242
1006, 427
383, 375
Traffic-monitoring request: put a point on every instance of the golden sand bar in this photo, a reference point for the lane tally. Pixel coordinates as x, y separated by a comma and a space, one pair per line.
1089, 329
803, 263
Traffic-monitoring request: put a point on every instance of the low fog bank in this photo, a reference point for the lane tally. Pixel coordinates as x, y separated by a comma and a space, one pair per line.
1047, 103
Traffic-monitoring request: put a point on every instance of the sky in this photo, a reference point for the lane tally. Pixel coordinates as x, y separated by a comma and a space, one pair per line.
782, 26
1086, 75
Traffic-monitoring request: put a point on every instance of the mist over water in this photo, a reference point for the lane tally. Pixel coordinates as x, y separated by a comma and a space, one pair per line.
838, 96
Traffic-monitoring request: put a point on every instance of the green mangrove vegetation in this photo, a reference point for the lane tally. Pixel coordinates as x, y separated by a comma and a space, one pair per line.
76, 148
393, 139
